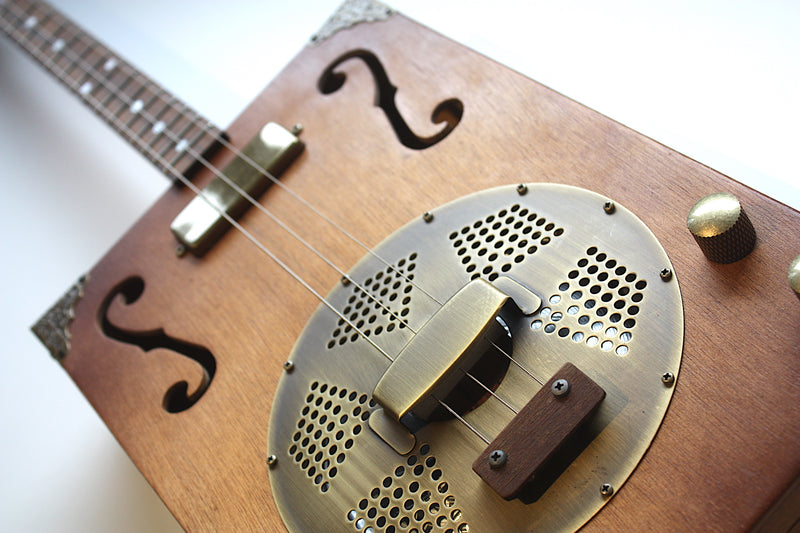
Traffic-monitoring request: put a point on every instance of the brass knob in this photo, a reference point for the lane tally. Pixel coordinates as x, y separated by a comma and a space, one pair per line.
794, 276
721, 228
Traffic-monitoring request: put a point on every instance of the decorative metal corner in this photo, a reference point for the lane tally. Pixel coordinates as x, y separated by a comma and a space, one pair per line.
53, 328
350, 13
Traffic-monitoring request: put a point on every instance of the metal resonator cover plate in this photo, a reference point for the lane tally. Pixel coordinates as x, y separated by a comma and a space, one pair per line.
606, 307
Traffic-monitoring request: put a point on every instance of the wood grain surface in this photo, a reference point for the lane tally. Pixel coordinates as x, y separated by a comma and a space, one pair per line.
728, 446
539, 431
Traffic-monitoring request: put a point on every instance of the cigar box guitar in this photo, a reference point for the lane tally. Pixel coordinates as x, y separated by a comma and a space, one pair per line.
454, 300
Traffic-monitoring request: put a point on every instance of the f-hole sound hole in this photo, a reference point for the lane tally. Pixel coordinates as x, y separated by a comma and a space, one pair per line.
177, 397
448, 111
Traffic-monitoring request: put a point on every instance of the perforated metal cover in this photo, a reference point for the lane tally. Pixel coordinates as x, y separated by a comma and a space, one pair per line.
605, 308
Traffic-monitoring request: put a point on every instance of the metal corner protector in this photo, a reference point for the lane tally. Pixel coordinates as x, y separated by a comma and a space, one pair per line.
53, 327
350, 13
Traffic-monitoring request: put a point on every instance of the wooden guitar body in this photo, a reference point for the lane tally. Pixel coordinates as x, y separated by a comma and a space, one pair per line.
728, 447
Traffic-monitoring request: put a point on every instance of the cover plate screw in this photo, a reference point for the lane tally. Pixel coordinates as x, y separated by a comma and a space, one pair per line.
609, 207
180, 250
522, 189
288, 366
272, 461
668, 378
297, 129
497, 458
427, 216
606, 490
666, 274
560, 387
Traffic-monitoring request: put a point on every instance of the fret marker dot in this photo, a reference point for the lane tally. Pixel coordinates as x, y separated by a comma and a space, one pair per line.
182, 145
86, 88
58, 44
136, 106
30, 22
110, 64
158, 127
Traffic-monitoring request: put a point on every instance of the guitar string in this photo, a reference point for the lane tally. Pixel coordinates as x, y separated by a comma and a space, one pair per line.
97, 105
463, 420
50, 64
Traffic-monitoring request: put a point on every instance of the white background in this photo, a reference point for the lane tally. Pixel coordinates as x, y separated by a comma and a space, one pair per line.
716, 80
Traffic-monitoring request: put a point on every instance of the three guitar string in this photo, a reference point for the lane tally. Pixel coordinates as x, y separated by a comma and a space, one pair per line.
49, 63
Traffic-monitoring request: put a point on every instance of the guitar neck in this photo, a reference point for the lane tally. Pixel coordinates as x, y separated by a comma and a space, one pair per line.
170, 134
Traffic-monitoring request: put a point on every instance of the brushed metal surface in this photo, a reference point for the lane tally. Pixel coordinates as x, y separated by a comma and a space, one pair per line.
605, 308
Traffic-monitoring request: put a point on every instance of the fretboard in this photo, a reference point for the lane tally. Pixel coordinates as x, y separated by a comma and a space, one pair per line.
166, 131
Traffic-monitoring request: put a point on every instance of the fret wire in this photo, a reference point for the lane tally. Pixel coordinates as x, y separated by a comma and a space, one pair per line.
191, 142
182, 136
41, 22
51, 25
149, 128
112, 93
154, 99
94, 58
115, 95
78, 51
163, 143
132, 97
176, 125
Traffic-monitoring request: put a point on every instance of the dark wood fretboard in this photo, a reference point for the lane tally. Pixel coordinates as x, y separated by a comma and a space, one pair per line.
162, 128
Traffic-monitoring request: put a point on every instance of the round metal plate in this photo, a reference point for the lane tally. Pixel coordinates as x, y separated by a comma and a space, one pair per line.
605, 308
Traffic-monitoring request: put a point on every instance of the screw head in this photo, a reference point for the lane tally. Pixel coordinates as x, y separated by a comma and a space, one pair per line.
272, 461
609, 207
668, 378
345, 281
560, 387
297, 129
497, 459
606, 490
522, 189
666, 274
427, 216
180, 250
288, 366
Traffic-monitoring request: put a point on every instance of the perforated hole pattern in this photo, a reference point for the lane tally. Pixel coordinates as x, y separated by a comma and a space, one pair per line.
596, 304
331, 419
491, 246
386, 289
414, 498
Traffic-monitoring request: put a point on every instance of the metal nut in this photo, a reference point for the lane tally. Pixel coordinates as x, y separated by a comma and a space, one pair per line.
560, 387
